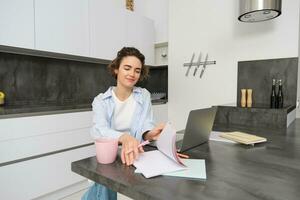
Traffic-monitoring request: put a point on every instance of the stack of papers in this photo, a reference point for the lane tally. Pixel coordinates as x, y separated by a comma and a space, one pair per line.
163, 160
243, 138
195, 170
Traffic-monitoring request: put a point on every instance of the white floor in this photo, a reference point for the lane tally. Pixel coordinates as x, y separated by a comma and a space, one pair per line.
75, 196
78, 195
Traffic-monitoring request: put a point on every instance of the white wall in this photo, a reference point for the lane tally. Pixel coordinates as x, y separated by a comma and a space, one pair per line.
211, 26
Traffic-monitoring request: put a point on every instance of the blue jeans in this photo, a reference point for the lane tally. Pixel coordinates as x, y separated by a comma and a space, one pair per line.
99, 192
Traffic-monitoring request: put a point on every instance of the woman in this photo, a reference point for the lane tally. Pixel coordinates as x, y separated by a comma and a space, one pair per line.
124, 112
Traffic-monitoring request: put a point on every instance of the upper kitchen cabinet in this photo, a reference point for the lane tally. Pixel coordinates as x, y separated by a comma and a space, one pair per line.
140, 34
17, 23
107, 29
62, 26
113, 27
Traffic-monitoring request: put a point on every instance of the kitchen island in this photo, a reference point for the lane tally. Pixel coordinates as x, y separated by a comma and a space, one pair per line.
266, 171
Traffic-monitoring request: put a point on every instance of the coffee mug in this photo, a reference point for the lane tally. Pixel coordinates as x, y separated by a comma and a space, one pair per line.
106, 150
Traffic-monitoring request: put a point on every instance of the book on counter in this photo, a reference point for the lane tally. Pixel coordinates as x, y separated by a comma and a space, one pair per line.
243, 138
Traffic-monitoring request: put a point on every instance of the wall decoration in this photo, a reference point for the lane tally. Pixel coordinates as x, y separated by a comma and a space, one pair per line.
198, 64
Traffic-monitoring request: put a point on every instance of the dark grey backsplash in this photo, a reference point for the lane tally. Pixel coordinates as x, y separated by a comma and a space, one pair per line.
38, 81
258, 75
157, 81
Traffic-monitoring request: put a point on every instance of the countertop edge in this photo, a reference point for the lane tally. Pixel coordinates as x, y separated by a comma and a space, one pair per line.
60, 111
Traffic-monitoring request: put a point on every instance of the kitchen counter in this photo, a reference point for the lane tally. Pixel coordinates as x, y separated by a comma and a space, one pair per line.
266, 171
26, 111
256, 106
256, 116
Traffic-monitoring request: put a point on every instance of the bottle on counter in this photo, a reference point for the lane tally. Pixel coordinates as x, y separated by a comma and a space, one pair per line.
243, 98
249, 98
273, 94
279, 95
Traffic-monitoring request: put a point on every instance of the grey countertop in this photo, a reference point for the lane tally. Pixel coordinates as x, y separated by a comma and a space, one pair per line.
266, 171
288, 108
26, 111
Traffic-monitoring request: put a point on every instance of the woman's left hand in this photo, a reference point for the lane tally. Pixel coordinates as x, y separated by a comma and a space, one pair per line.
130, 149
155, 132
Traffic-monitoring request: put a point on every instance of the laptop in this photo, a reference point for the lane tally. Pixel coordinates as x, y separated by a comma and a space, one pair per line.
198, 128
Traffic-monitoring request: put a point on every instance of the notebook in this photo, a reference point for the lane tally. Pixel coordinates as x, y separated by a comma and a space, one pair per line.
196, 169
215, 136
243, 138
163, 160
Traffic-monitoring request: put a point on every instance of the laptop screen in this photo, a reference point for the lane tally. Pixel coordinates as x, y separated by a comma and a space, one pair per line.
198, 127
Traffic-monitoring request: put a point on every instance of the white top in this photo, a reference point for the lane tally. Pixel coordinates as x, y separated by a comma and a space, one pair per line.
123, 113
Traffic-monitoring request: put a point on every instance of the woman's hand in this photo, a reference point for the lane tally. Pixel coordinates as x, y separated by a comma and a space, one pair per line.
155, 132
130, 150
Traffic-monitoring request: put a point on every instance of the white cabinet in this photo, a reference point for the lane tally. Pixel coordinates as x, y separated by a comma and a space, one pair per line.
159, 14
160, 112
17, 23
37, 177
140, 34
48, 143
30, 136
62, 26
93, 28
112, 28
107, 29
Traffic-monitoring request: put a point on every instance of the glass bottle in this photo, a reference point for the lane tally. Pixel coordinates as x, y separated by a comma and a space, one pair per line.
273, 94
280, 95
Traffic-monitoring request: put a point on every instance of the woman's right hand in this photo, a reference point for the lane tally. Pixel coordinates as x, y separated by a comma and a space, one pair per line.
130, 150
154, 133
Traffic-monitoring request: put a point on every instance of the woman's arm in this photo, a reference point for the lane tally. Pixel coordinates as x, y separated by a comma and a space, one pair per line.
154, 133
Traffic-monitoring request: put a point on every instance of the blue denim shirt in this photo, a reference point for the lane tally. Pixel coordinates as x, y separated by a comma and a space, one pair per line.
103, 108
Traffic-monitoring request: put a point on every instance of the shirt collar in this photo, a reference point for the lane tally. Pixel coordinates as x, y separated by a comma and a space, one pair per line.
136, 94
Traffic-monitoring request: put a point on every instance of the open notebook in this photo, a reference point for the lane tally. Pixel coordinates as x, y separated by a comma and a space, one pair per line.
163, 160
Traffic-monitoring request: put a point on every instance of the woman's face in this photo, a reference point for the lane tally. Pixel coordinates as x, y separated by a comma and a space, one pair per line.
129, 71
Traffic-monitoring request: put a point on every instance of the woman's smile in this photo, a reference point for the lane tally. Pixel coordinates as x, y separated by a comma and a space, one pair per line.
131, 79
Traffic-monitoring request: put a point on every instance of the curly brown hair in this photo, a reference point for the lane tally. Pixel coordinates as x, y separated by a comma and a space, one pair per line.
124, 52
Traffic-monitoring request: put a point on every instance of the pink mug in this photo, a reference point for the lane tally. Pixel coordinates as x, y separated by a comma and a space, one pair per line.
106, 150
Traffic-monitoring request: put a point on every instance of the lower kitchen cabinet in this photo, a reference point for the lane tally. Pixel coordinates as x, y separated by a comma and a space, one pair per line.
30, 136
160, 112
37, 177
37, 151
